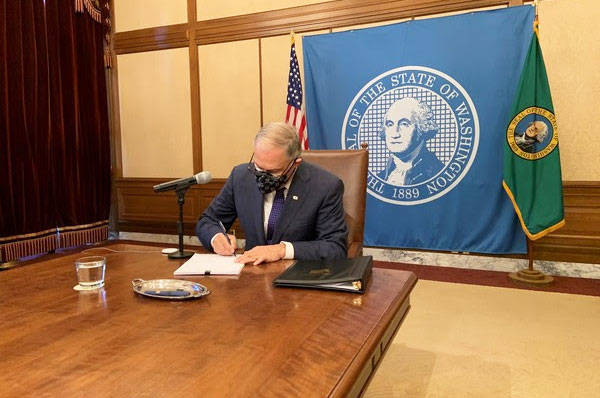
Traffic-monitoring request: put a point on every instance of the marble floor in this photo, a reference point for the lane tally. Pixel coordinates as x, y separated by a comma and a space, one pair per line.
457, 260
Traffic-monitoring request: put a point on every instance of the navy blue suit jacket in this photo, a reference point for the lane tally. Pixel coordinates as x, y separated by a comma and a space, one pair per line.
312, 219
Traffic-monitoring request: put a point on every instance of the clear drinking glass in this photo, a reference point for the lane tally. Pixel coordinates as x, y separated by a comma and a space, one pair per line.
90, 272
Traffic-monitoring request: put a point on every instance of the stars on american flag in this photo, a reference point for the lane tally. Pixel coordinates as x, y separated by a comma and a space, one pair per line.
294, 96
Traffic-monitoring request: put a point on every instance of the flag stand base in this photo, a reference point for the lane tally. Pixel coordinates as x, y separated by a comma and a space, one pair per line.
531, 276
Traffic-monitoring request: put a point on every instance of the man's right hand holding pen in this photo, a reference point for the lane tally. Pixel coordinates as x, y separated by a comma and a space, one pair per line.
223, 243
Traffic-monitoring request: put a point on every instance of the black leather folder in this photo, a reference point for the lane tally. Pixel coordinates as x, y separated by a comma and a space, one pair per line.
348, 274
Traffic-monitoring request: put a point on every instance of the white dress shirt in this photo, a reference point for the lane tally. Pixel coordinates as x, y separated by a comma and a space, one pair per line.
267, 206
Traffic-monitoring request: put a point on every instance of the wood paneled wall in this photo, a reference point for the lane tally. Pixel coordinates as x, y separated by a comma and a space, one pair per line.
141, 210
327, 15
324, 16
579, 239
138, 209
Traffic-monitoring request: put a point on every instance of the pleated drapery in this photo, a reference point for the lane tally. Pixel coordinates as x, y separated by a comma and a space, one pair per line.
54, 134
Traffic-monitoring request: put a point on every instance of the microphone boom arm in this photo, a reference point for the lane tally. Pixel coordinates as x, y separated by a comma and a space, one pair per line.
181, 186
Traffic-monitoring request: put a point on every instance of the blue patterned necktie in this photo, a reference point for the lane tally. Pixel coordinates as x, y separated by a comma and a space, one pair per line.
275, 213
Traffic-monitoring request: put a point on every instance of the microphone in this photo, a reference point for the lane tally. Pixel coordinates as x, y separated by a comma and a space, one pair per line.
201, 178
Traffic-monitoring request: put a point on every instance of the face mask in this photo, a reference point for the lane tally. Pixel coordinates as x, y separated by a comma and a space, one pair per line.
267, 182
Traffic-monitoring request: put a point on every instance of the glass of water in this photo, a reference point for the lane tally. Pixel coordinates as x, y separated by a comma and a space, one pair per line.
90, 272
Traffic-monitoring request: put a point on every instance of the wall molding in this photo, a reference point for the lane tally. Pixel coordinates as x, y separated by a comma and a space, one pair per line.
151, 39
139, 209
579, 239
313, 17
142, 210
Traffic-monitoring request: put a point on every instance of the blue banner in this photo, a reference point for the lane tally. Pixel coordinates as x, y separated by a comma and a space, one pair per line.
431, 99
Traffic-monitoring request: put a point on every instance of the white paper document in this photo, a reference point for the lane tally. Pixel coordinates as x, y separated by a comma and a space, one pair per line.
210, 264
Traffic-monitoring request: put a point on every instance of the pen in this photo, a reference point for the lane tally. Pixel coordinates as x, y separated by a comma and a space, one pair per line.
225, 233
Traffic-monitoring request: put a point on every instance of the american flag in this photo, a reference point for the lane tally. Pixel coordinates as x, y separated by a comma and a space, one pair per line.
294, 114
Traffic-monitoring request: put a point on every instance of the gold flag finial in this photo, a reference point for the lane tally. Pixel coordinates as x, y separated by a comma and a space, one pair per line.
536, 22
292, 36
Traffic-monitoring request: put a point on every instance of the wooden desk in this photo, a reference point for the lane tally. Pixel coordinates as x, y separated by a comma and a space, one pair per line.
246, 338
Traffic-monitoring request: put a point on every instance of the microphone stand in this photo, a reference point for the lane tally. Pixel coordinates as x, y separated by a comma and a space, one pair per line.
180, 200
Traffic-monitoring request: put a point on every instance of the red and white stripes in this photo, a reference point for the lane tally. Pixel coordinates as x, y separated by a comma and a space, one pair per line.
296, 118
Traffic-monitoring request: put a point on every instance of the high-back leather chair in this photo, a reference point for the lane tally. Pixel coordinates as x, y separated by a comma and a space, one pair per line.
351, 167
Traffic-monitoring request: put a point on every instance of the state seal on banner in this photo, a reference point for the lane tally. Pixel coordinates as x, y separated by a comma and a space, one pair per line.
422, 130
532, 133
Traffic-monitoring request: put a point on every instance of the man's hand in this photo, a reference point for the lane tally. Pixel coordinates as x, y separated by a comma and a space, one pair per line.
222, 247
262, 254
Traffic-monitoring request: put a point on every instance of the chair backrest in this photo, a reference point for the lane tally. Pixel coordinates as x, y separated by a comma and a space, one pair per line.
351, 167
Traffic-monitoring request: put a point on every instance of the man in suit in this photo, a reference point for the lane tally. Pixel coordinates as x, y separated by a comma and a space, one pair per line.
407, 124
288, 208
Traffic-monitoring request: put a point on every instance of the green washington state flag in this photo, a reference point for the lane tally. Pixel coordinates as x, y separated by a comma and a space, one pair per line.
532, 176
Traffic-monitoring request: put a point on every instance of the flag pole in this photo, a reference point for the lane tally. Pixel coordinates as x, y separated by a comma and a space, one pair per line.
536, 19
530, 254
531, 275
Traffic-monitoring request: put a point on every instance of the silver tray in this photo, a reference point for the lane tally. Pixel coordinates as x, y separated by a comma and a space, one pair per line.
169, 289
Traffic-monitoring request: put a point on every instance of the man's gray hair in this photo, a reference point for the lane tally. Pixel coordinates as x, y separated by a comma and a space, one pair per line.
282, 135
